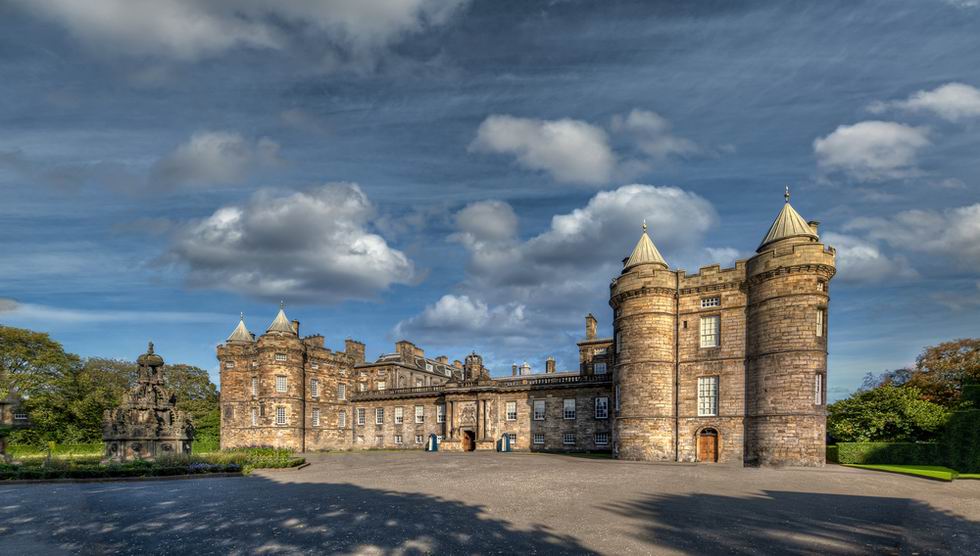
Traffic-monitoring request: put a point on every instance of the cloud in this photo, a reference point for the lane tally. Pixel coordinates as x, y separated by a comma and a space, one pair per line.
959, 300
460, 317
861, 261
571, 151
653, 134
952, 233
313, 245
577, 152
215, 158
14, 312
188, 30
952, 102
872, 150
521, 294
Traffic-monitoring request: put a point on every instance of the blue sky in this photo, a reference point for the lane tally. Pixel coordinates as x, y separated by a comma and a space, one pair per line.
468, 175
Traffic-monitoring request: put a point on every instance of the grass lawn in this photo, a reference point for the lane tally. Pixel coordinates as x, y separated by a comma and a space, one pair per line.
927, 471
969, 476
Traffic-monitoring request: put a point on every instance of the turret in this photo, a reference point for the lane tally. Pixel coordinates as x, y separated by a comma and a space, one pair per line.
786, 352
644, 307
473, 368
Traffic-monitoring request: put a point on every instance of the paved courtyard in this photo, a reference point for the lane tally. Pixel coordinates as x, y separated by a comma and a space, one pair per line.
413, 502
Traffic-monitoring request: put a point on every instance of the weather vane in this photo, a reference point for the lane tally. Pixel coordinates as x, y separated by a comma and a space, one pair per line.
786, 195
644, 225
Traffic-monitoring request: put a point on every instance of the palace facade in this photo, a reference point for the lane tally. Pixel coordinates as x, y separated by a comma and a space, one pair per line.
725, 365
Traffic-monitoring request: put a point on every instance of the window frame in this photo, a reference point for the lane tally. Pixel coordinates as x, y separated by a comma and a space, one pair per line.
711, 302
315, 417
255, 386
284, 381
600, 365
441, 413
380, 385
399, 415
604, 405
314, 388
708, 395
565, 436
715, 333
538, 439
596, 436
565, 414
419, 414
255, 416
360, 416
341, 419
342, 391
280, 358
280, 415
818, 393
544, 410
510, 410
379, 416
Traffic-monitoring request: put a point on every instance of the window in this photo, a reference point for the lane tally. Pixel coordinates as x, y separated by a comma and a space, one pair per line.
440, 414
818, 390
419, 414
511, 411
601, 439
315, 388
255, 417
428, 367
341, 391
255, 386
568, 409
600, 351
280, 357
710, 328
710, 302
341, 419
381, 385
229, 364
418, 438
447, 372
600, 368
316, 417
513, 438
707, 395
280, 383
360, 416
361, 386
819, 322
568, 438
399, 415
280, 415
315, 366
821, 285
418, 383
539, 410
398, 439
538, 438
379, 415
617, 397
602, 408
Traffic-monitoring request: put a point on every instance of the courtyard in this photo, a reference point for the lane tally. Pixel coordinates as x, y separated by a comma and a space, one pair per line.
490, 503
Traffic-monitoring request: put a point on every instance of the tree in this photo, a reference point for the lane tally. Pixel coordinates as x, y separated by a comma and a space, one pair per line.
941, 371
30, 361
196, 395
887, 413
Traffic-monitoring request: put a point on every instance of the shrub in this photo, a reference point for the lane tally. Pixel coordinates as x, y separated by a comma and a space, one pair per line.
832, 456
897, 453
962, 441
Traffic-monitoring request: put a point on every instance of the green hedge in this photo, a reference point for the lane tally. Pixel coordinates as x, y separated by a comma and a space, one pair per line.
962, 441
832, 456
897, 453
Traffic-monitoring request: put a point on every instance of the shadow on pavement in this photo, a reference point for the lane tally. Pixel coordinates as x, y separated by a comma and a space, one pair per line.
253, 515
779, 522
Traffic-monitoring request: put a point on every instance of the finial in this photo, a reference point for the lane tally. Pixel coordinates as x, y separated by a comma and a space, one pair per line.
281, 304
786, 195
242, 316
644, 225
149, 348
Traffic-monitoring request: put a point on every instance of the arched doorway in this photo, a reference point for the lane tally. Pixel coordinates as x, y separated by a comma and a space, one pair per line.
469, 441
708, 445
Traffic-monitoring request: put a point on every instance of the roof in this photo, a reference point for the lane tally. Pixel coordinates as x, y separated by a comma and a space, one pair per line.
536, 375
644, 252
281, 323
788, 224
241, 333
414, 363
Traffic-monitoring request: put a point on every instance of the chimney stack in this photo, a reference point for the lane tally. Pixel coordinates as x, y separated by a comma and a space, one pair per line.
295, 325
549, 365
513, 370
814, 226
590, 326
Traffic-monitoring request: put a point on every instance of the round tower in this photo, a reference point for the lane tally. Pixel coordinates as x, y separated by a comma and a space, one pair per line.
786, 344
643, 299
235, 361
282, 411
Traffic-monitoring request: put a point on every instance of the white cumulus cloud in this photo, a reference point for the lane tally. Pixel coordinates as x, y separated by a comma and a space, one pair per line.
194, 29
462, 316
952, 102
872, 150
862, 261
571, 151
215, 158
313, 245
653, 134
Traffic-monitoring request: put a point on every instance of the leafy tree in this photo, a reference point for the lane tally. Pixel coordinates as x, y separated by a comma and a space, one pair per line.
941, 371
885, 414
196, 395
30, 361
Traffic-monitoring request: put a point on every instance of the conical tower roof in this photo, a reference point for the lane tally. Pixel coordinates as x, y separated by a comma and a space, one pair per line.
241, 333
644, 252
788, 224
281, 323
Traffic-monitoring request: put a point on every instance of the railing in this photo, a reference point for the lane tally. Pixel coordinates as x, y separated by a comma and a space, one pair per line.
488, 384
396, 392
555, 380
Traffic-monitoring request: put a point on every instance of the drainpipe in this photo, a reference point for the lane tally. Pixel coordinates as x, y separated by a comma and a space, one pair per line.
677, 362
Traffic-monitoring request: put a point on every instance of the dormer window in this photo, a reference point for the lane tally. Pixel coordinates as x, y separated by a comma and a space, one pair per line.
428, 367
710, 302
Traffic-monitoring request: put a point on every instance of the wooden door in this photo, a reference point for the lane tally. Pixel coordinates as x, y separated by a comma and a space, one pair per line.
708, 446
469, 441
